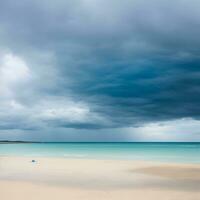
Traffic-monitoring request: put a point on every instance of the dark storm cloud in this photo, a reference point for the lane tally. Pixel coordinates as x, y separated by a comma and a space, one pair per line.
130, 63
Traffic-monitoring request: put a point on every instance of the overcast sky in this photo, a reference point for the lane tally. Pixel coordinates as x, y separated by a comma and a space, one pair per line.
100, 70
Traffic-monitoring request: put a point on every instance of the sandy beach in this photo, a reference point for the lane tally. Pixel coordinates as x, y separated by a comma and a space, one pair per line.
59, 178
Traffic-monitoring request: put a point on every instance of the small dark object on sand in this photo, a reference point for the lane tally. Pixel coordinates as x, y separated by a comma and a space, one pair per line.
33, 161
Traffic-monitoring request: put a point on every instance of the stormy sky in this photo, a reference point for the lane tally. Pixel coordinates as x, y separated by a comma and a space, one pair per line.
100, 70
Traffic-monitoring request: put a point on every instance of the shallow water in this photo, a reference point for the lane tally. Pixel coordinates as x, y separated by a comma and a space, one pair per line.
164, 152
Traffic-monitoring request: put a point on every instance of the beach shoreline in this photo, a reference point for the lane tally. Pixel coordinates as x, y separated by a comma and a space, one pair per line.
96, 179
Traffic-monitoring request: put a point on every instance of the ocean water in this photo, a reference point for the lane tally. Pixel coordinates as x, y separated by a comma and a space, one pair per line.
164, 152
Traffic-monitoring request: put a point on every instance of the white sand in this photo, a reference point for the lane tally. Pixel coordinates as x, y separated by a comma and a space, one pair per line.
53, 178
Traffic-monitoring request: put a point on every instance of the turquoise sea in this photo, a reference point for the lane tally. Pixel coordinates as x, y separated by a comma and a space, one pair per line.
165, 152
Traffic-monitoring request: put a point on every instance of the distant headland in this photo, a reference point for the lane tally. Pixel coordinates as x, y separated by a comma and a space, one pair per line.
15, 141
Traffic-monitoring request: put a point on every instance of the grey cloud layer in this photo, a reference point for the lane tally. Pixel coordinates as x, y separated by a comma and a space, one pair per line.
118, 63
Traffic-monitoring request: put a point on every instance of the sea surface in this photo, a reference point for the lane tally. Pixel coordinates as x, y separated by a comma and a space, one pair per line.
154, 151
